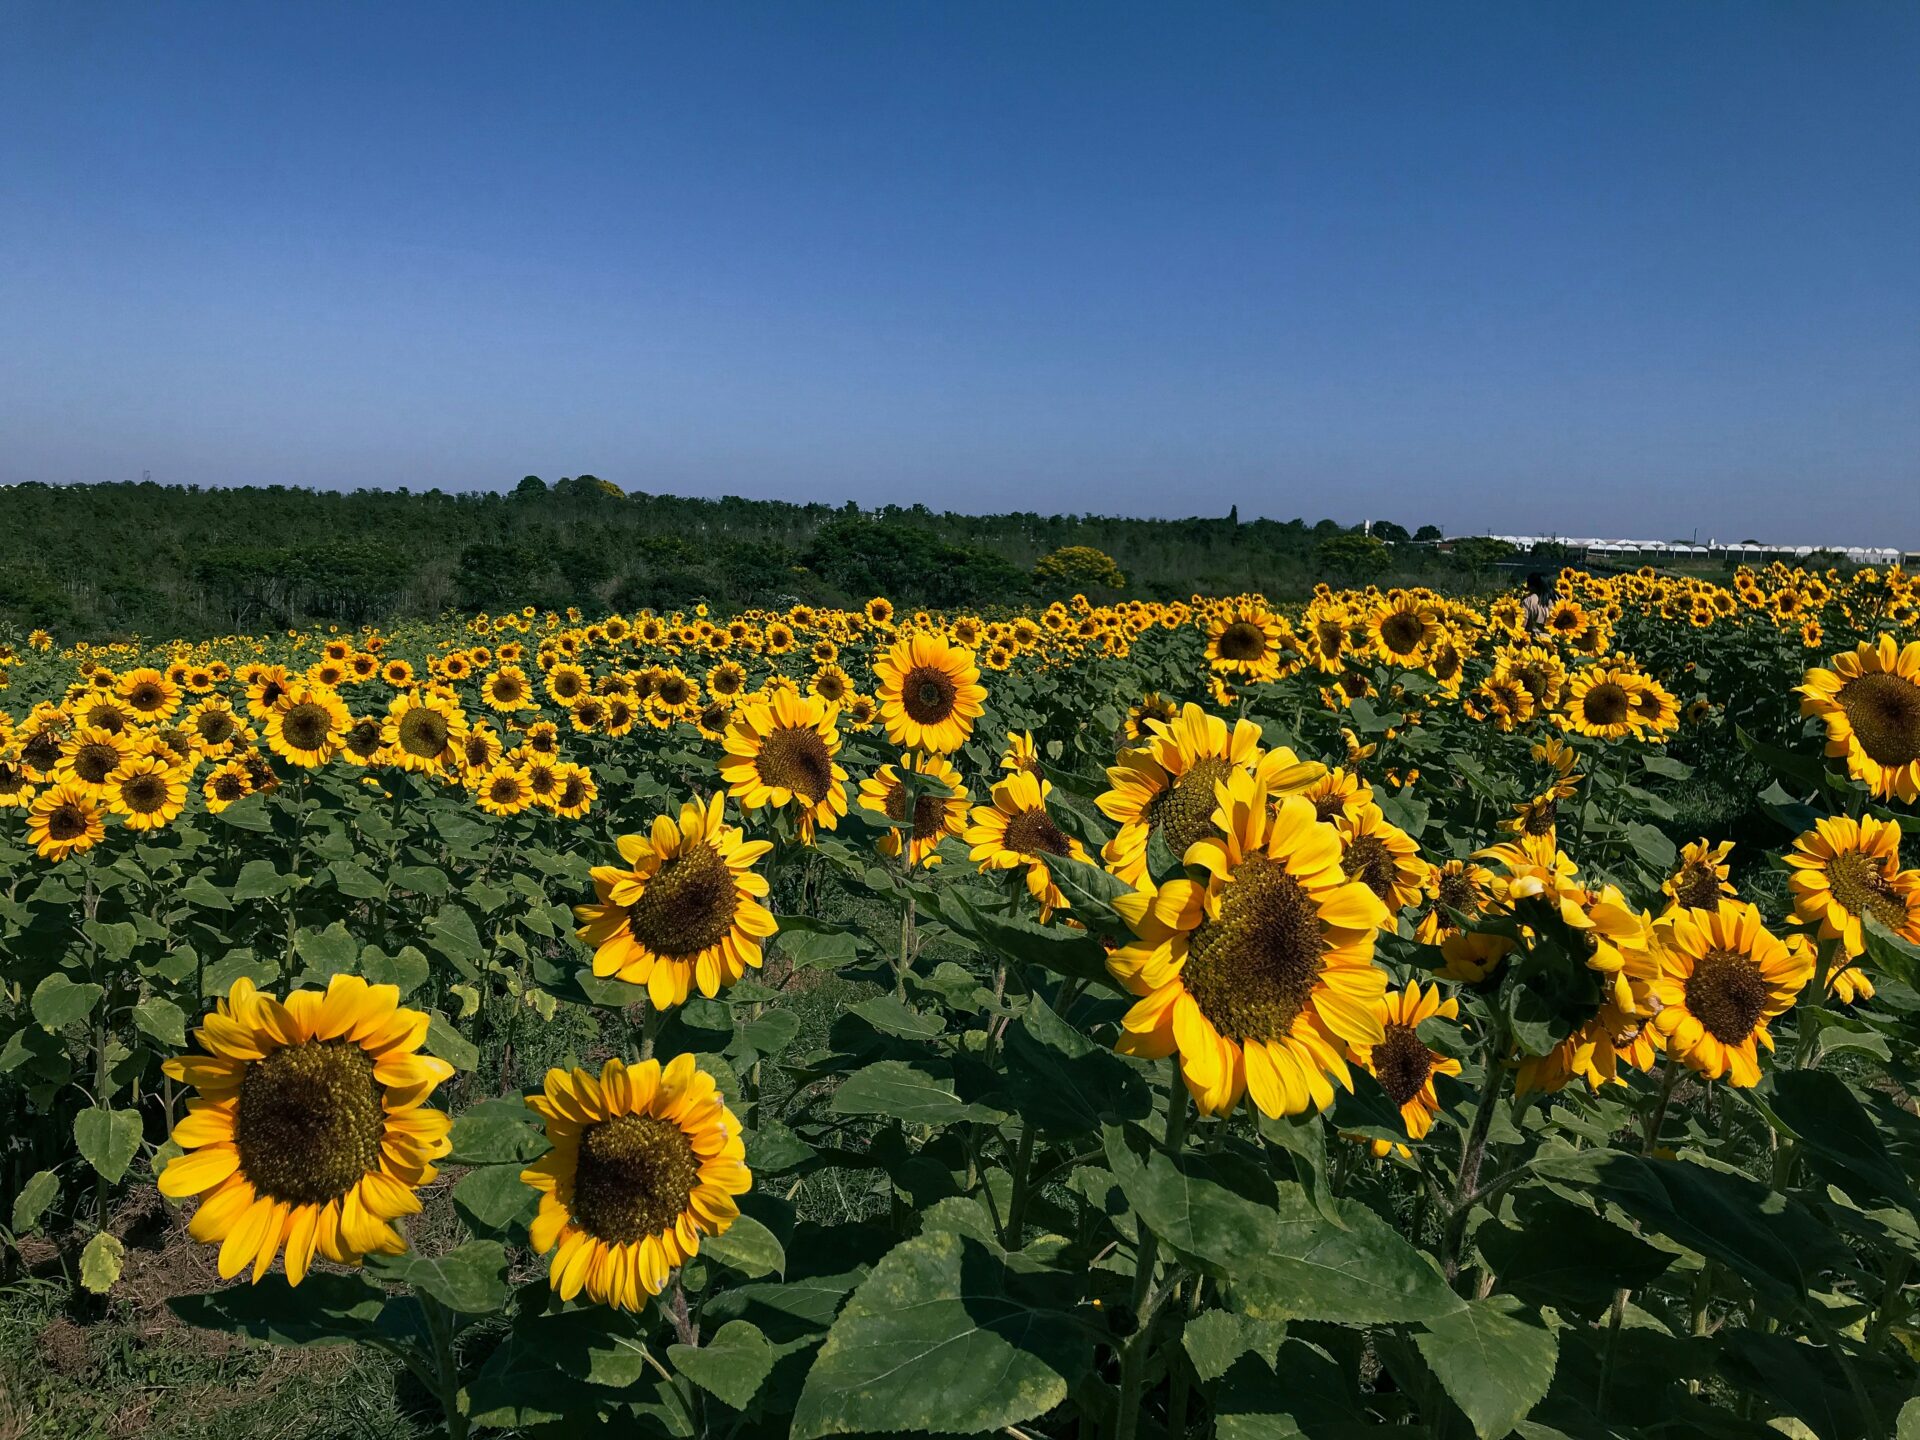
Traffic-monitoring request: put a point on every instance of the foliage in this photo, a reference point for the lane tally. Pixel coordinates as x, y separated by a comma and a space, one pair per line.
1078, 567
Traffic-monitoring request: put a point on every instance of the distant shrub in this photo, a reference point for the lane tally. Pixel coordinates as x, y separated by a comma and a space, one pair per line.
1079, 567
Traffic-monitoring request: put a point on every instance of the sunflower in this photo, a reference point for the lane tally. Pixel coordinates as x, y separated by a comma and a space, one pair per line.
929, 693
1401, 630
939, 809
1699, 879
577, 791
1470, 956
397, 673
1149, 707
1456, 887
1843, 871
1384, 858
1263, 976
831, 684
879, 613
507, 690
226, 783
781, 751
1722, 977
646, 1161
16, 786
147, 793
265, 685
422, 731
1016, 832
1870, 703
1339, 794
1402, 1062
149, 694
308, 724
684, 911
1021, 753
727, 680
310, 1129
1243, 641
1168, 787
91, 755
64, 820
1601, 703
503, 791
1503, 701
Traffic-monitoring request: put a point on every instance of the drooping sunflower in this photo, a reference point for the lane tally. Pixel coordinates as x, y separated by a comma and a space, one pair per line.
684, 910
782, 750
1015, 832
147, 793
422, 731
308, 724
938, 811
64, 820
929, 693
1844, 870
1870, 703
1262, 979
1244, 641
1723, 976
1402, 1061
1384, 858
1699, 879
311, 1128
645, 1163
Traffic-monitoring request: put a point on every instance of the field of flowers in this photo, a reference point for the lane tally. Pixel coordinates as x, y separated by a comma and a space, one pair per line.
1142, 1020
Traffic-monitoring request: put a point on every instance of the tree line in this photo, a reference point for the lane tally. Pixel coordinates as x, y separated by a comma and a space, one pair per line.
98, 561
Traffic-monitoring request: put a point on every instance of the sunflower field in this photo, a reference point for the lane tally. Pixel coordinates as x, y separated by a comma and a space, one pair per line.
1144, 1022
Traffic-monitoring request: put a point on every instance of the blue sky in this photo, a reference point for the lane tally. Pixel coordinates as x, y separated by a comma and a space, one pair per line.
1572, 267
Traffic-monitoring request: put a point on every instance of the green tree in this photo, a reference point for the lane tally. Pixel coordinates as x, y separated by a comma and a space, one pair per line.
1352, 556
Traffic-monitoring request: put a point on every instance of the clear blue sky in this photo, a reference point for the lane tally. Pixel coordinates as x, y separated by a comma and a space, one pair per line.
1580, 267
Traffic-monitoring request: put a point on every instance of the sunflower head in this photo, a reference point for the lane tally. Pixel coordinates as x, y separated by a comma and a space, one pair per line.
1869, 701
929, 692
310, 1129
646, 1162
1722, 977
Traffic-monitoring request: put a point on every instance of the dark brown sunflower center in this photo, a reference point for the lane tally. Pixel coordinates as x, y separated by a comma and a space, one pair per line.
146, 697
1032, 832
589, 712
1727, 994
830, 687
1355, 683
1242, 641
1183, 812
635, 1177
1329, 636
363, 737
507, 688
1697, 886
309, 1122
794, 757
726, 682
270, 693
1606, 704
505, 789
229, 787
1253, 969
927, 694
566, 684
1539, 816
424, 732
1457, 892
67, 822
674, 690
1402, 632
1402, 1062
1369, 861
687, 906
1861, 886
573, 791
93, 763
477, 750
215, 727
1538, 680
1884, 711
307, 726
41, 751
144, 794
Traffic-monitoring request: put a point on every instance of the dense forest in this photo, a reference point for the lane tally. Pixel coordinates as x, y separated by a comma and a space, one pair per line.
98, 561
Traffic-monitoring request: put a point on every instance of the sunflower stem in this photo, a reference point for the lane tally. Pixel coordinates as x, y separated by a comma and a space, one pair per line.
1146, 1299
1473, 1152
